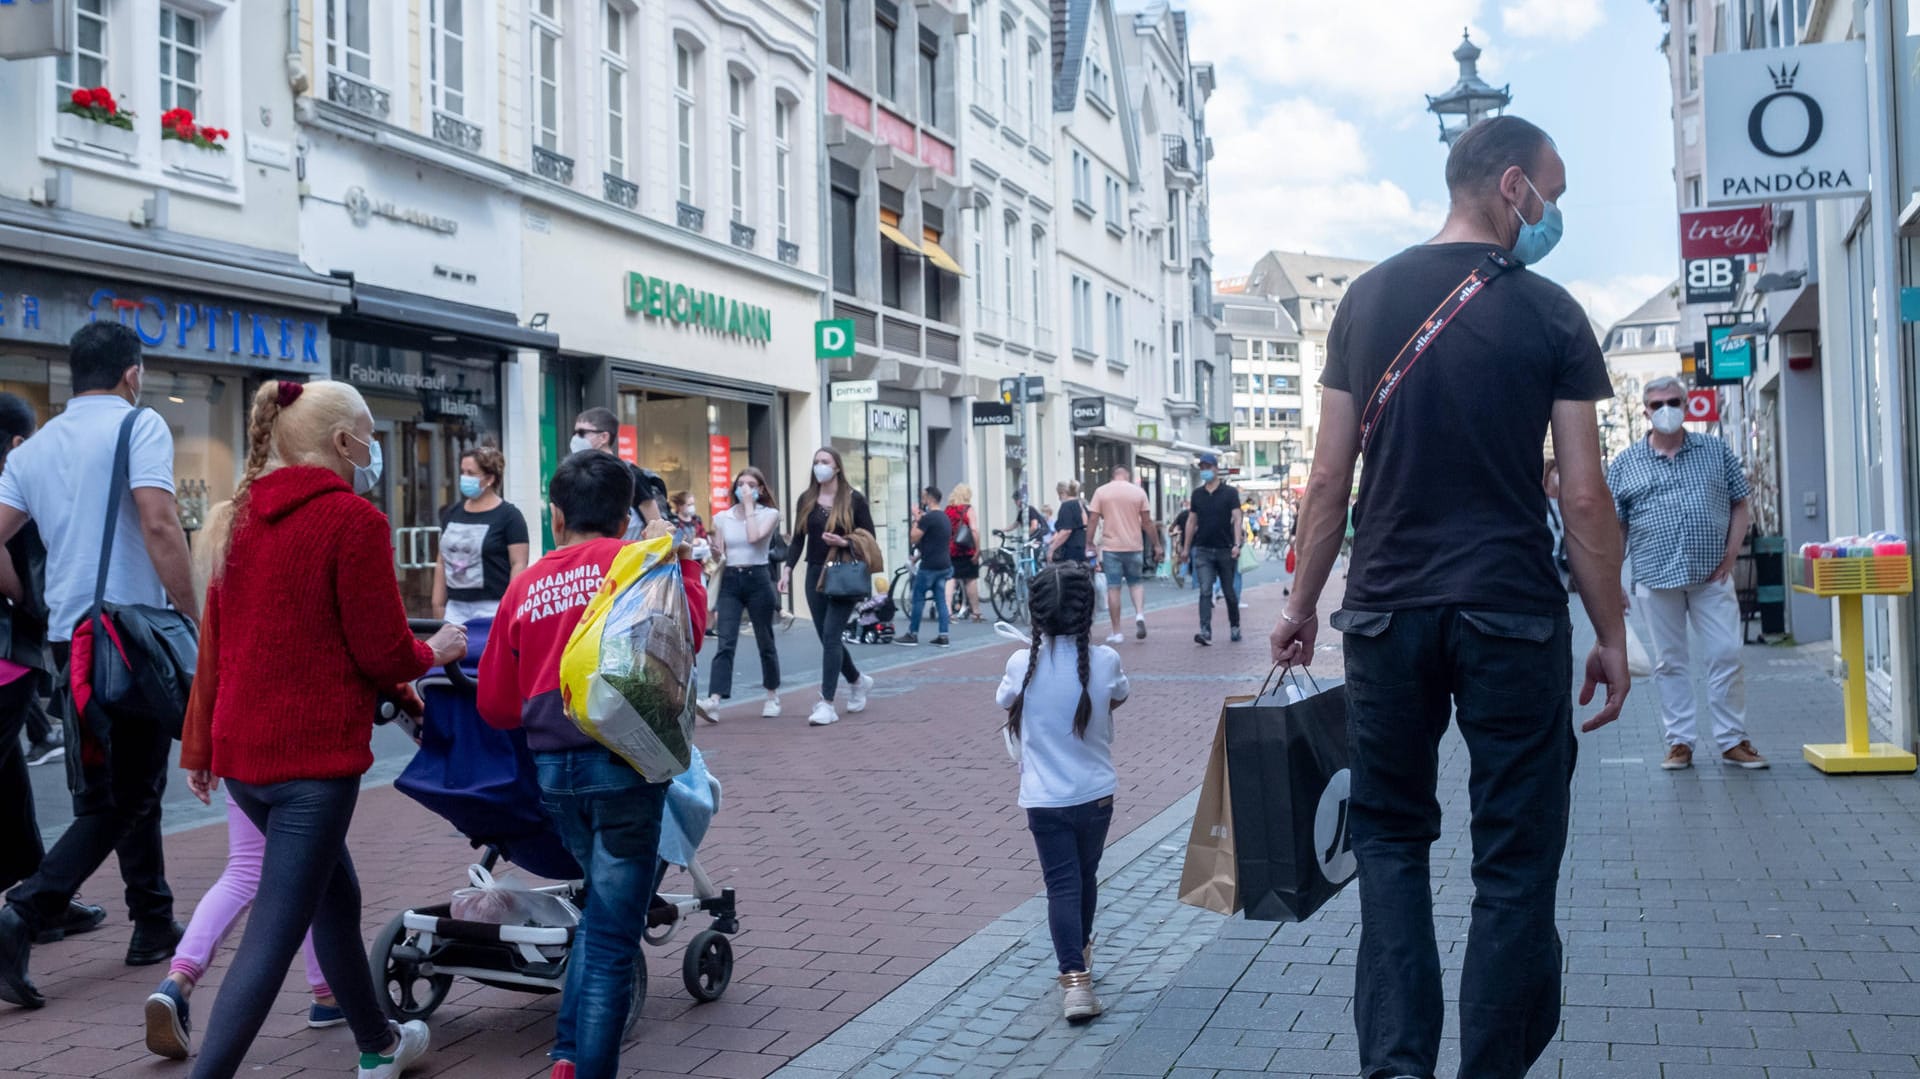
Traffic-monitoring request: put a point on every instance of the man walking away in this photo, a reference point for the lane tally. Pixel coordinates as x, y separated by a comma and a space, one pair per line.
1215, 530
932, 536
60, 479
1682, 500
1437, 627
1120, 521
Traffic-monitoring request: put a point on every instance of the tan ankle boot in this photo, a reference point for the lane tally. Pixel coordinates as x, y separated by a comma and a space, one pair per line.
1078, 1003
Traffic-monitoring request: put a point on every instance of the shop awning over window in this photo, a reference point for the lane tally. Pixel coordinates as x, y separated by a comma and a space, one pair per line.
890, 228
938, 255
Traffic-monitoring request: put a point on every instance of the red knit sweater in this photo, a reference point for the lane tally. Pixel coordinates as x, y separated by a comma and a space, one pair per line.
301, 633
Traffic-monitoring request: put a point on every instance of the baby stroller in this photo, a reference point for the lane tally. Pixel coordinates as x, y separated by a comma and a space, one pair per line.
482, 781
873, 620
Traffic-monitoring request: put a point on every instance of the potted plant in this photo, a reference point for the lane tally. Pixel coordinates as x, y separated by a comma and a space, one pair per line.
186, 146
91, 118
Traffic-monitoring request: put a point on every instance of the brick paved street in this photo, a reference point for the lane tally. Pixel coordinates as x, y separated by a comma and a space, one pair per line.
861, 853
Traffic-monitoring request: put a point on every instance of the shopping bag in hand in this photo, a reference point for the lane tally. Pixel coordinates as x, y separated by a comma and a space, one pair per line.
1639, 664
1208, 879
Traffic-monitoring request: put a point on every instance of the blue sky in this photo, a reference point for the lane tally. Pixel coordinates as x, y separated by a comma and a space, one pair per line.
1323, 143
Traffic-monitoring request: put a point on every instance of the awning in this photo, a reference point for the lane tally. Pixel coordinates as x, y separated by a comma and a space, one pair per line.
898, 238
483, 324
1163, 457
938, 255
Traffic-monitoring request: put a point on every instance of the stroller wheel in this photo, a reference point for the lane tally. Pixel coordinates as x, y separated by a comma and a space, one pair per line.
406, 992
708, 966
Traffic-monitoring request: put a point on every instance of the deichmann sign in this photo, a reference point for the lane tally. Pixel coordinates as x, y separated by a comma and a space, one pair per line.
1787, 123
1706, 234
661, 299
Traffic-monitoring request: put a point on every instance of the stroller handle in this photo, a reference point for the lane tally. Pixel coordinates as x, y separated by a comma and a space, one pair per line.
427, 627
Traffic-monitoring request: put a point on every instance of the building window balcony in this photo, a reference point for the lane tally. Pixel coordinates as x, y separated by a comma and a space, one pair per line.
689, 217
1179, 159
620, 191
456, 132
789, 253
742, 235
359, 95
551, 166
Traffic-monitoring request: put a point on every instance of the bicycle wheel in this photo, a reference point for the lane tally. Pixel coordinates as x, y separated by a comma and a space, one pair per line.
1003, 592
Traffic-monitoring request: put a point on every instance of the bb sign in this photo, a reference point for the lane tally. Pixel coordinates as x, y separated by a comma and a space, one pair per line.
1787, 124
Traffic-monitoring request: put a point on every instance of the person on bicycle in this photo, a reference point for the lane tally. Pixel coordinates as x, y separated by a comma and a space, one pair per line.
964, 551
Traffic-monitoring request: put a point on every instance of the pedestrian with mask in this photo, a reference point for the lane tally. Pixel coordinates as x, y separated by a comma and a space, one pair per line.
932, 536
61, 480
599, 429
483, 542
1215, 530
302, 566
825, 518
1683, 505
1453, 610
1120, 522
742, 534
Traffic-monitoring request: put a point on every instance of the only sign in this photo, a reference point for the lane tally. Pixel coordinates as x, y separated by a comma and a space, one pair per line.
1703, 406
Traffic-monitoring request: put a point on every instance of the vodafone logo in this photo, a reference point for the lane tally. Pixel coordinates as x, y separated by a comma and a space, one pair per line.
1703, 406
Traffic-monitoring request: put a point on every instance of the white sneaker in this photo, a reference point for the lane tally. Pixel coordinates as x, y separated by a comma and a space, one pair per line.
823, 714
857, 694
708, 708
772, 707
1116, 638
413, 1046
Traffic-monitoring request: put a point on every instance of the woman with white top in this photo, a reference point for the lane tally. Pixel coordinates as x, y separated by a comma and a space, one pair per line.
1060, 697
740, 536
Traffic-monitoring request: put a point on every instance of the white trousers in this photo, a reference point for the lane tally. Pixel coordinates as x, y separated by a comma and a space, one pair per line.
1712, 612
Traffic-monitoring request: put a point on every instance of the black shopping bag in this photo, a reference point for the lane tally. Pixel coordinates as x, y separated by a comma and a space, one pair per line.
1288, 783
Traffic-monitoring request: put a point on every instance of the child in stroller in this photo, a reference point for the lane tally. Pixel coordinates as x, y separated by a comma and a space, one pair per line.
873, 616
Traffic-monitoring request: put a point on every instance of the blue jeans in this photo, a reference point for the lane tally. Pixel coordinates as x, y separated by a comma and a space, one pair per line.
1069, 840
307, 879
1507, 679
923, 580
1216, 565
609, 818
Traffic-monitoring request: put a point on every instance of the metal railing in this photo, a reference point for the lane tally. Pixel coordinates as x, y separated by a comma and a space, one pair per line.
1177, 155
619, 190
358, 94
552, 166
789, 253
456, 131
742, 234
690, 217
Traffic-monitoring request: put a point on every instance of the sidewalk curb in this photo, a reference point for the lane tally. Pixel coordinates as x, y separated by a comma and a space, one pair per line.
863, 1035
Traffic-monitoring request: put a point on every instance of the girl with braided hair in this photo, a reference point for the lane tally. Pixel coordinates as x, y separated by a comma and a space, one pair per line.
1060, 695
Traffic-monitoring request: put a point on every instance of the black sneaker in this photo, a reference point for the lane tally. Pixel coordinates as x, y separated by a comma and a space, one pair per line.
1236, 634
80, 918
907, 638
45, 752
154, 943
941, 641
1203, 638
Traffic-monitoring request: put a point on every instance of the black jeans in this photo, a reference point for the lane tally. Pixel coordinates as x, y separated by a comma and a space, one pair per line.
39, 727
20, 848
307, 879
1070, 840
1507, 678
1212, 564
749, 589
127, 824
830, 617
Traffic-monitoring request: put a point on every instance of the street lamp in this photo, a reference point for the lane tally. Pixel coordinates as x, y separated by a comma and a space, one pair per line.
1470, 99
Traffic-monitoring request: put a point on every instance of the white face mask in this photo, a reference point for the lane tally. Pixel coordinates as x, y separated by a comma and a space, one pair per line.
822, 473
746, 495
367, 475
579, 444
1668, 420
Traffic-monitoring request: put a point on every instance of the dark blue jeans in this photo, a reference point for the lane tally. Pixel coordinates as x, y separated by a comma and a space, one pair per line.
1507, 680
934, 580
1070, 840
749, 590
306, 879
610, 819
1213, 565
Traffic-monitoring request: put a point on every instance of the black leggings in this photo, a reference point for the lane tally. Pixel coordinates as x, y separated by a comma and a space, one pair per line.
747, 589
830, 617
20, 846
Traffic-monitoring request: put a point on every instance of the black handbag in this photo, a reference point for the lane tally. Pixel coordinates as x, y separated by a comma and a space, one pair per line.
963, 537
1288, 782
846, 579
778, 548
142, 657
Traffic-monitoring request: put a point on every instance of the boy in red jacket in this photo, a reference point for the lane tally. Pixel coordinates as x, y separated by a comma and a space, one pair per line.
608, 815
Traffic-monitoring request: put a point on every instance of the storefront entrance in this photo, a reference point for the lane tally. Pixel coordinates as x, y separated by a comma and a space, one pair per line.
880, 446
698, 443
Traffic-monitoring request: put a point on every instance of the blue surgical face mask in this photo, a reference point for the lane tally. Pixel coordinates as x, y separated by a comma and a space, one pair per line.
470, 487
1537, 240
367, 475
1206, 475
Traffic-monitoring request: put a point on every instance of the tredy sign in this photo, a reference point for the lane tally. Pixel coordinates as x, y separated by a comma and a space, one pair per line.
1787, 124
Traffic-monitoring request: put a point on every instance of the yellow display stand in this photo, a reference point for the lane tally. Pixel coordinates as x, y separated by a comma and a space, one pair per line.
1846, 580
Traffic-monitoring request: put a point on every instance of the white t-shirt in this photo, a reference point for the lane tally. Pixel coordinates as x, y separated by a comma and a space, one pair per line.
1057, 767
733, 532
60, 477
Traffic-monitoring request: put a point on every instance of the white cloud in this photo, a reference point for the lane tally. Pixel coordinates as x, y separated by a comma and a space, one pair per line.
1564, 20
1610, 300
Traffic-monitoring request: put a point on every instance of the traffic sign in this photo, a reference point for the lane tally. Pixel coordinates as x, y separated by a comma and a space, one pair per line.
833, 338
1035, 385
1703, 406
992, 414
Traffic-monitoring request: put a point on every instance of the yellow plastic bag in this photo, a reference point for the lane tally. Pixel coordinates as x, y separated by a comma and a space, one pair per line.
626, 676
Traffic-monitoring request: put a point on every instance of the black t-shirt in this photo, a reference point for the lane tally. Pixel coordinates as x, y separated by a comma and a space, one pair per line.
807, 543
1072, 520
1213, 516
473, 549
1451, 510
936, 536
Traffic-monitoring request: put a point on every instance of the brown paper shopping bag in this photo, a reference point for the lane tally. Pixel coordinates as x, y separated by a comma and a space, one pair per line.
1209, 879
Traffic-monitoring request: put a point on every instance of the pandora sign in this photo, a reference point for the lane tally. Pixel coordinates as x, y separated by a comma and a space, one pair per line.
1787, 124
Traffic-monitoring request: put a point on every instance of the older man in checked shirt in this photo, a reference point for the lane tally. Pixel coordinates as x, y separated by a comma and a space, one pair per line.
1682, 501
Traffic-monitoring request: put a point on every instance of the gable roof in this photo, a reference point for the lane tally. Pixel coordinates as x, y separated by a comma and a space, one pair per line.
1662, 306
1072, 25
1287, 274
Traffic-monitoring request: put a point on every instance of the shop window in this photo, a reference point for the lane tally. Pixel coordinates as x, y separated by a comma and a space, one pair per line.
686, 110
846, 230
783, 165
546, 59
87, 66
447, 55
886, 47
930, 80
613, 68
739, 112
182, 39
683, 437
349, 35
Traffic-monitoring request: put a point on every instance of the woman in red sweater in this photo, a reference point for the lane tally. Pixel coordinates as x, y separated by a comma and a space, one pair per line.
303, 631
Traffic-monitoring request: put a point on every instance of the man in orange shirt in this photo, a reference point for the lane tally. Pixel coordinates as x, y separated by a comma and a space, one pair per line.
1120, 521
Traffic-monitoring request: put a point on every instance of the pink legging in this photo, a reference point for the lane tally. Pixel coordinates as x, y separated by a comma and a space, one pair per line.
227, 900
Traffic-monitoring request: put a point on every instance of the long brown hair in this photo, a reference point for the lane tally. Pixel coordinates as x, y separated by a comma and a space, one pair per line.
767, 497
840, 519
